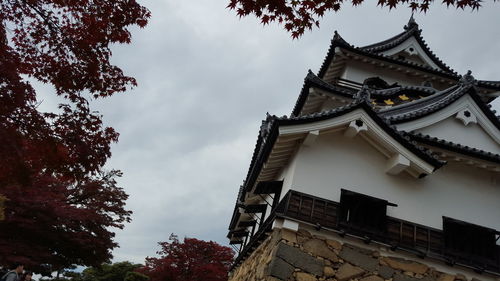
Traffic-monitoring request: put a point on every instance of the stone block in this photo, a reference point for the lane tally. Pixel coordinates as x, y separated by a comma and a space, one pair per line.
372, 278
328, 271
289, 235
336, 245
304, 233
347, 272
403, 277
359, 257
385, 272
280, 269
319, 248
302, 276
319, 237
303, 236
299, 259
406, 265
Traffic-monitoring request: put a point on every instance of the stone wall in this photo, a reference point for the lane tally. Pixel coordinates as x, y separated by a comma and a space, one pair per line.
300, 256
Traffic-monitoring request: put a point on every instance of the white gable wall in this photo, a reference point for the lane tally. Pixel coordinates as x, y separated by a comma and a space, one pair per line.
417, 51
336, 162
358, 71
443, 124
453, 130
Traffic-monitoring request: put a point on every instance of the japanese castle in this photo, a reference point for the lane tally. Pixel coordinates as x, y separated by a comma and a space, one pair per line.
388, 168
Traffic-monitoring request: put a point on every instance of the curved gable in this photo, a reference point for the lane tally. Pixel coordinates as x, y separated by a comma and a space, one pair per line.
411, 50
463, 122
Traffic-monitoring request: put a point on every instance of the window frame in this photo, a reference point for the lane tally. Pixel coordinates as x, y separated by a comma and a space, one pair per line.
360, 222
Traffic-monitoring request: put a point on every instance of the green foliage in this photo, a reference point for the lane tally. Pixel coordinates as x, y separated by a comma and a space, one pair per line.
135, 276
120, 271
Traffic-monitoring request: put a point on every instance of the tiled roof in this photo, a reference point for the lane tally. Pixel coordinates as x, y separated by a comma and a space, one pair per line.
424, 106
426, 91
270, 131
312, 80
455, 147
338, 41
411, 30
374, 51
495, 85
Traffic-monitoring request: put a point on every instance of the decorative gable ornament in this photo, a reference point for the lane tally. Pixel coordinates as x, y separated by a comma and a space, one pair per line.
466, 116
355, 127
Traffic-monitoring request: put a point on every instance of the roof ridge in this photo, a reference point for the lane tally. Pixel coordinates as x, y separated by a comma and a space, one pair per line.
312, 79
411, 29
405, 34
455, 147
392, 91
438, 94
437, 102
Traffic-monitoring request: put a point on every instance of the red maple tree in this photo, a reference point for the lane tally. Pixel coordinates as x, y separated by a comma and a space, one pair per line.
297, 16
190, 260
60, 202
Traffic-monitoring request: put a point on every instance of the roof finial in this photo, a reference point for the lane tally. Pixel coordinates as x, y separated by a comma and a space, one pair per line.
411, 22
467, 79
363, 94
337, 38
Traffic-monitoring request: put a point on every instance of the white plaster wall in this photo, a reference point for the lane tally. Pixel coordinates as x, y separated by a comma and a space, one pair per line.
358, 71
335, 162
454, 130
412, 42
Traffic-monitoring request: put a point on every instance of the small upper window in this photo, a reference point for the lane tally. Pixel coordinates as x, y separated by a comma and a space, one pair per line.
363, 212
469, 240
378, 83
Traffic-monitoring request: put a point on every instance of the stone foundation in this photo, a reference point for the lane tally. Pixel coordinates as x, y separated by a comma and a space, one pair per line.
299, 256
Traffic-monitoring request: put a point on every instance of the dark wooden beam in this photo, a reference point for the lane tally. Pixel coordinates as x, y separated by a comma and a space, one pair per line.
246, 223
255, 208
239, 234
268, 187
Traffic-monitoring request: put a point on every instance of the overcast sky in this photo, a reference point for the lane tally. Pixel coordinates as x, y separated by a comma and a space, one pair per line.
206, 80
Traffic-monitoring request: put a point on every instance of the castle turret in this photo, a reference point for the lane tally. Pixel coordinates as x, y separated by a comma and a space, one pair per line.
388, 168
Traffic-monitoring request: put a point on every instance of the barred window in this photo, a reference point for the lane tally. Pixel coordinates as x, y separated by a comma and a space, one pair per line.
363, 212
469, 240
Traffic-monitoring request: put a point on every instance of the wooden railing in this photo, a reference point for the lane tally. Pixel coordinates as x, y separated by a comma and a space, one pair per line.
417, 239
347, 83
400, 234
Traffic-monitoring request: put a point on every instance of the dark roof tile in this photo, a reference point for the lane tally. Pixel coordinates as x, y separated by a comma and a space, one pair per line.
455, 147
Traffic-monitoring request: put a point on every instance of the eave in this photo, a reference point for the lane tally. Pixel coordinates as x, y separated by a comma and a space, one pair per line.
458, 152
314, 82
417, 109
411, 30
280, 143
341, 50
341, 44
421, 108
334, 92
